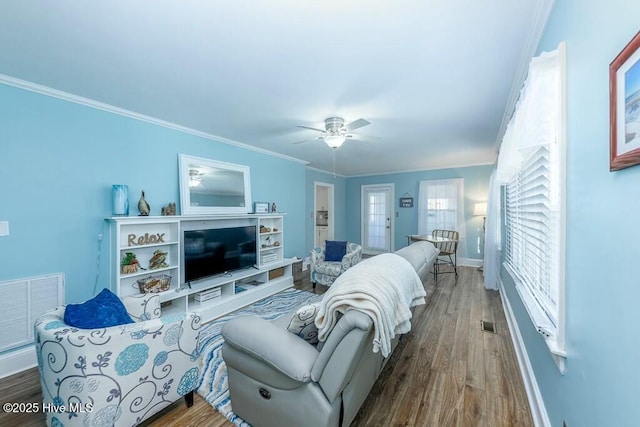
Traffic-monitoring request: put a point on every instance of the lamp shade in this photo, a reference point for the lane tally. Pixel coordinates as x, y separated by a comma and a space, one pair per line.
334, 141
480, 209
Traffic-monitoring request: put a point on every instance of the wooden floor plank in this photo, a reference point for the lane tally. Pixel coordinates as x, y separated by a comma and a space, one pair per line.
445, 372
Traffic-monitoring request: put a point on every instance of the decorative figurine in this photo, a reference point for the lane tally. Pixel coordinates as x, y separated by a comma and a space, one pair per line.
143, 206
158, 260
273, 207
170, 209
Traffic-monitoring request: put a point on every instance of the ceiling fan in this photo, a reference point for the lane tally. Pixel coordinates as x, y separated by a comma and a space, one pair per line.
335, 132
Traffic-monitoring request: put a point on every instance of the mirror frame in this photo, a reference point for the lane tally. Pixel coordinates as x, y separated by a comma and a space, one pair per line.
184, 162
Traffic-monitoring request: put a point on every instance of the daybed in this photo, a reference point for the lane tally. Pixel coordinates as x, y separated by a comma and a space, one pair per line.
276, 378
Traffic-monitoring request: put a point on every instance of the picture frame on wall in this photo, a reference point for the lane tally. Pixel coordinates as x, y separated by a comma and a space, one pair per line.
624, 107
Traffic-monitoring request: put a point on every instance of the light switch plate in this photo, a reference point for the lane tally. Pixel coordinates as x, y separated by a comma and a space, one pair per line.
4, 228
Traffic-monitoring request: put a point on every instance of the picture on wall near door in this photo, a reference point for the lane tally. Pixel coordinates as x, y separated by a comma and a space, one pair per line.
624, 86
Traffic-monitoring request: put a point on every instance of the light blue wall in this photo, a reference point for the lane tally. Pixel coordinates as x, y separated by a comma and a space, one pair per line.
339, 185
476, 184
58, 160
602, 286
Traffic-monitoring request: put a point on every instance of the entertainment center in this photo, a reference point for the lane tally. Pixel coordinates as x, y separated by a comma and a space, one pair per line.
209, 264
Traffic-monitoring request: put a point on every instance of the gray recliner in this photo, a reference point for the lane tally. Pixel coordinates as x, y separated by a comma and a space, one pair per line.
278, 379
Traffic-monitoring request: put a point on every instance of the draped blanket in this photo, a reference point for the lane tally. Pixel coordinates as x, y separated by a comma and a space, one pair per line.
384, 287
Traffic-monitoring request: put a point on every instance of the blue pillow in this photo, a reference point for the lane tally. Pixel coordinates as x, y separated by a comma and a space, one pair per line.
102, 311
334, 250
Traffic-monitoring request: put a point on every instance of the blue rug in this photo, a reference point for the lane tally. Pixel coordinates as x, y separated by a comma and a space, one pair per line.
213, 385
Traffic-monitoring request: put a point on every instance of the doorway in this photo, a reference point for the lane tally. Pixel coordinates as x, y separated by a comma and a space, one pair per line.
323, 213
377, 218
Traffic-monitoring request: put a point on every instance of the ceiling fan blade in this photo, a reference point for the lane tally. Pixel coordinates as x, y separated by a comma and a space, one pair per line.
316, 129
356, 125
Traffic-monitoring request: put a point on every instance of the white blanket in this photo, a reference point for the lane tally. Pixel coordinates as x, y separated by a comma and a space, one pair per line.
384, 287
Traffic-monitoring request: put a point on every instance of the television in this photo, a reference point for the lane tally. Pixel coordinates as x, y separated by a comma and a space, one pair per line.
212, 251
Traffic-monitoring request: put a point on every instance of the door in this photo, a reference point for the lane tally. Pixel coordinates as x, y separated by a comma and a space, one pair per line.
377, 218
323, 213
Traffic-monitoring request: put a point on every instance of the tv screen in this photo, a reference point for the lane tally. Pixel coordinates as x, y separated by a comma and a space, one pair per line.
218, 250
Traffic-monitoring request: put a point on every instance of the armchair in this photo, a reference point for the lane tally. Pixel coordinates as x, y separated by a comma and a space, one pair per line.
119, 375
326, 272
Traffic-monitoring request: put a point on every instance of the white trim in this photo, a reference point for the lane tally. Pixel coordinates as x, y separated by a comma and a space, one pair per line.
536, 403
330, 210
65, 96
455, 166
334, 175
539, 22
469, 262
18, 360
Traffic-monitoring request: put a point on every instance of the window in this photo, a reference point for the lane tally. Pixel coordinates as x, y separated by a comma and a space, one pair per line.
441, 205
532, 172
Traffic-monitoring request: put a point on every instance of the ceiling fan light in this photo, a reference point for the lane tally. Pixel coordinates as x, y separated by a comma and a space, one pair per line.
334, 141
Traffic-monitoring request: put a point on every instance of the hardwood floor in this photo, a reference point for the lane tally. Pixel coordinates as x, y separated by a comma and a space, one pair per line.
446, 372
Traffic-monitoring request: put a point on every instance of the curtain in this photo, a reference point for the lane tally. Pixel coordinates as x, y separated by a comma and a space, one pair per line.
492, 235
441, 206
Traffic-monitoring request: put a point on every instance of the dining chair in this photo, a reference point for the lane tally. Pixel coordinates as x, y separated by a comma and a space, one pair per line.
448, 248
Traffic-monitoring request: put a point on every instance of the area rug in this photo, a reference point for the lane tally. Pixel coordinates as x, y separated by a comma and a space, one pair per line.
214, 385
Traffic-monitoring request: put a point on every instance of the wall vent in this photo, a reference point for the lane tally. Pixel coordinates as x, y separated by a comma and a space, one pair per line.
24, 301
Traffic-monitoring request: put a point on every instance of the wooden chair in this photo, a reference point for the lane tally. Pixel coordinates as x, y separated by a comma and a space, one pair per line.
448, 249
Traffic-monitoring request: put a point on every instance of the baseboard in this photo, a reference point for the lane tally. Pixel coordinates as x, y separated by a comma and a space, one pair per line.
470, 262
538, 410
17, 361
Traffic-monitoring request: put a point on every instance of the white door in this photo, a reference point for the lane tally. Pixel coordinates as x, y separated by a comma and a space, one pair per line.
377, 218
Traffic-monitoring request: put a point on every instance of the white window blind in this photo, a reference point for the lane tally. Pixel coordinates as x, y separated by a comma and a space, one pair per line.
530, 246
441, 206
531, 166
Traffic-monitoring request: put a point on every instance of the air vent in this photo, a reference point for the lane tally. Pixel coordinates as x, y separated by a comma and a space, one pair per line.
488, 326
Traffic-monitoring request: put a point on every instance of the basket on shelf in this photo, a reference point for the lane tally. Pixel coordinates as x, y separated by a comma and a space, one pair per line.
153, 284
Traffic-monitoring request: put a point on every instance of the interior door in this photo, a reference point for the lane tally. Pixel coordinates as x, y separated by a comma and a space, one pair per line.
377, 219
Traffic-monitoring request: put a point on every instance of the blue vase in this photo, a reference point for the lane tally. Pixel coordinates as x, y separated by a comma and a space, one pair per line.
120, 200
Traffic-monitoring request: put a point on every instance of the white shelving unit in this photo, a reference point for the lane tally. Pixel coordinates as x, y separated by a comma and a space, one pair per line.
142, 236
271, 240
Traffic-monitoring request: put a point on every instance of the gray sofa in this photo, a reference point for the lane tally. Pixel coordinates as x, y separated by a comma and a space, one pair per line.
278, 379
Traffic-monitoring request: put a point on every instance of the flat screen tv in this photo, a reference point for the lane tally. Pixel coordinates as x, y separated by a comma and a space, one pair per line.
214, 251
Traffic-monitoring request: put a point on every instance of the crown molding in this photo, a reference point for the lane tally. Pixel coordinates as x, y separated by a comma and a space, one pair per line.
76, 99
467, 165
537, 28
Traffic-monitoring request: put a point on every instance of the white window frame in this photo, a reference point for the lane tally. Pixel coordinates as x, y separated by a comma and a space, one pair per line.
427, 205
547, 314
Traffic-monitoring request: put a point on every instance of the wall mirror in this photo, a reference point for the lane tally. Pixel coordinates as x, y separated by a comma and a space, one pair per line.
211, 187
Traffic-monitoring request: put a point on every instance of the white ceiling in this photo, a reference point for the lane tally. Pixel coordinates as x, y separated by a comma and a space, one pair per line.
433, 77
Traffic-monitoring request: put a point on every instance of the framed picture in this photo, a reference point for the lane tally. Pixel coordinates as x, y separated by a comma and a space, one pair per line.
261, 207
624, 107
406, 202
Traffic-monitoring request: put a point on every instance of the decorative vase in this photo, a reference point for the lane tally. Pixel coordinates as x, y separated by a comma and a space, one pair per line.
120, 200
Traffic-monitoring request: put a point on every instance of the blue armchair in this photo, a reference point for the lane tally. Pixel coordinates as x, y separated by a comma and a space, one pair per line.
326, 272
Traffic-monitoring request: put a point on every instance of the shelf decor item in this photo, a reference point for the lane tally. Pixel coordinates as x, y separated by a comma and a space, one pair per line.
260, 207
154, 284
143, 206
120, 200
624, 107
158, 260
129, 263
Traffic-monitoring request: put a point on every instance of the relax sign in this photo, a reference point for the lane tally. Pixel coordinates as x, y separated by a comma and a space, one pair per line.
147, 239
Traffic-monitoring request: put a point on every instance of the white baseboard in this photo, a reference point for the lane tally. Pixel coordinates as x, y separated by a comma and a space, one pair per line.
538, 410
470, 262
17, 361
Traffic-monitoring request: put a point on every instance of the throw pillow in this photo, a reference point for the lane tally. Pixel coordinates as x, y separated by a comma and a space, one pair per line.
334, 250
102, 311
303, 323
